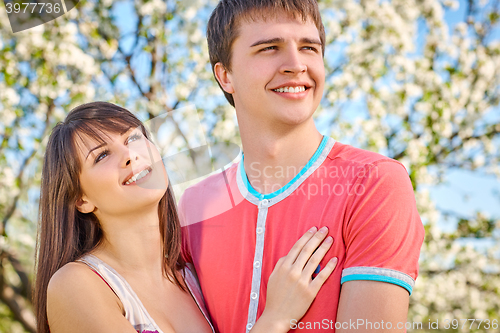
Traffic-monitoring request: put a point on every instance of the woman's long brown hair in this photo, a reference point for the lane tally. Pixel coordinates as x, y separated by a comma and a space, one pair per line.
64, 233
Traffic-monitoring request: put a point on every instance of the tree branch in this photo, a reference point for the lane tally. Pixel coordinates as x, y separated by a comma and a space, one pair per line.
19, 179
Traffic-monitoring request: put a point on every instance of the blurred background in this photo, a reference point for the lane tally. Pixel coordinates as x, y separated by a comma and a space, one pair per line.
415, 80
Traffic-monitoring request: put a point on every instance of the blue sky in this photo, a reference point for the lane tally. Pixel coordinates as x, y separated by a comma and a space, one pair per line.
466, 192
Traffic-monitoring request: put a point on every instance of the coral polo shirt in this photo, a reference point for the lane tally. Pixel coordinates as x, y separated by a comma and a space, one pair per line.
234, 235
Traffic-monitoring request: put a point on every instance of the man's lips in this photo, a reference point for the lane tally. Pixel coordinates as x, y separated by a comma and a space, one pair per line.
292, 86
295, 94
291, 90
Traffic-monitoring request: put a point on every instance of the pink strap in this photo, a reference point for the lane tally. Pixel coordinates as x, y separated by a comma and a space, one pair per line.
99, 275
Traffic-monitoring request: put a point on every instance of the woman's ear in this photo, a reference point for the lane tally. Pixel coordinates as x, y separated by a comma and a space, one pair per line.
84, 206
224, 78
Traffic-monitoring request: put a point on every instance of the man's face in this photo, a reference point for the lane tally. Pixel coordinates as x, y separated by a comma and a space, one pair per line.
277, 71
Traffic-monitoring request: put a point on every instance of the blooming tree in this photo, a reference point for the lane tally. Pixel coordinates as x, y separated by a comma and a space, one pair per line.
429, 94
423, 91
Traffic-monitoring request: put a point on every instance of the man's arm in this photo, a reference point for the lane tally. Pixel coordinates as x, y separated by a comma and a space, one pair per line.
373, 306
383, 237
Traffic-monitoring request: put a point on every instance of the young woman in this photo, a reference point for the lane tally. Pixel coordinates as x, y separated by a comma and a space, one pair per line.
109, 239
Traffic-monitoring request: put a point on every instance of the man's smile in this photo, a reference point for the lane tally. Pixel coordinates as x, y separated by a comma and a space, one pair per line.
291, 89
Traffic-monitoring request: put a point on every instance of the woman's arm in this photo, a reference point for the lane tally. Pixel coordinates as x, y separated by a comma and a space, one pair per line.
291, 289
79, 301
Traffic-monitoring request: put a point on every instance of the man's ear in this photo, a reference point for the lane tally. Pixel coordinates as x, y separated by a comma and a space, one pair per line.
84, 206
224, 78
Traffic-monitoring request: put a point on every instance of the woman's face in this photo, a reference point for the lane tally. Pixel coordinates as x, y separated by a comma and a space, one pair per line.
122, 176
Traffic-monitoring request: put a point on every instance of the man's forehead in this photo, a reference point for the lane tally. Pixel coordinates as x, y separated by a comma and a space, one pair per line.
262, 29
272, 15
264, 13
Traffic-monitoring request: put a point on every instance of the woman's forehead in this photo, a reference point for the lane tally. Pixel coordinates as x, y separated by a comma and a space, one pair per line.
90, 139
86, 141
100, 135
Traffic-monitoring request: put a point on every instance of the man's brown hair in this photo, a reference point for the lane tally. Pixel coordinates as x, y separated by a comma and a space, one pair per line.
224, 22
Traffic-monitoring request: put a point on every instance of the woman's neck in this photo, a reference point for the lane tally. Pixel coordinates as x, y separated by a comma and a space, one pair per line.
132, 244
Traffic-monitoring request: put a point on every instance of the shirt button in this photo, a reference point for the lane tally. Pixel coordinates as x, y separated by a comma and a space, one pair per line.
260, 230
256, 264
265, 202
249, 326
253, 295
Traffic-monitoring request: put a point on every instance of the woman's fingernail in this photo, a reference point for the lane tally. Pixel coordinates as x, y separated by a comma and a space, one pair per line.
313, 230
329, 240
333, 260
323, 230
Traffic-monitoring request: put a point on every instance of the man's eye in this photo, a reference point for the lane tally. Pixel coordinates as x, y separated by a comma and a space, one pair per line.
269, 48
101, 156
311, 48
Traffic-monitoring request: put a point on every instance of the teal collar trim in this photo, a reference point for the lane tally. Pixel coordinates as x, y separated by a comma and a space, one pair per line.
261, 196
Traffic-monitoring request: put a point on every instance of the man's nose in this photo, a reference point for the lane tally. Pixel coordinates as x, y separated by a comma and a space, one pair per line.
293, 62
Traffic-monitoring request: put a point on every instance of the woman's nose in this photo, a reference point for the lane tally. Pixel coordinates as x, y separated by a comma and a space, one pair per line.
129, 155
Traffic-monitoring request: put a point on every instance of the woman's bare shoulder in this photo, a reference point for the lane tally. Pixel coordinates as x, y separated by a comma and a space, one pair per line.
77, 298
77, 279
71, 275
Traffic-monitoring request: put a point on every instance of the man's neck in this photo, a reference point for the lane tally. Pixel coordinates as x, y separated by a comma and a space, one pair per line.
273, 159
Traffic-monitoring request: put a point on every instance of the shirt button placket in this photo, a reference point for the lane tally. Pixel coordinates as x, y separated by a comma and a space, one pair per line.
260, 230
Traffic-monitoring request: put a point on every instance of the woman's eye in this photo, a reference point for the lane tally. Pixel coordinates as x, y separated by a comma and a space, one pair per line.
101, 156
133, 137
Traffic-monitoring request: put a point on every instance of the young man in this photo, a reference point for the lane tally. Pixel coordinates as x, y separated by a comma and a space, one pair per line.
267, 56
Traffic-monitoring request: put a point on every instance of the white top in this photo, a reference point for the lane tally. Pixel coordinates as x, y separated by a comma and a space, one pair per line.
135, 312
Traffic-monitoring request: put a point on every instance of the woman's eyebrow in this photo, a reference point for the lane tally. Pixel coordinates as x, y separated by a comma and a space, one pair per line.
96, 147
104, 143
128, 129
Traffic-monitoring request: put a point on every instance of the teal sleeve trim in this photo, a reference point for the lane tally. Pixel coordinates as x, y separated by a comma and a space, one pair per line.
284, 188
381, 278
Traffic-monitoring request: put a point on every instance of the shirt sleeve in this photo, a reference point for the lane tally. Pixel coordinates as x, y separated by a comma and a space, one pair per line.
382, 232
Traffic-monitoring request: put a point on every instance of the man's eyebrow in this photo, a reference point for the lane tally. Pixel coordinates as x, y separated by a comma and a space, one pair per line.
96, 147
304, 40
310, 41
268, 41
